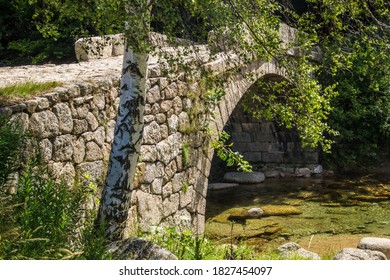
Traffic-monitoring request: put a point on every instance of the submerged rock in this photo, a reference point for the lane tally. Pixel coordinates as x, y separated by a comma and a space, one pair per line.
238, 214
248, 229
221, 186
359, 254
291, 250
244, 214
244, 178
280, 210
370, 198
221, 218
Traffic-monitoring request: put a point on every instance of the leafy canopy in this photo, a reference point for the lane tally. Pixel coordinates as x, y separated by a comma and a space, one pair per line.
250, 28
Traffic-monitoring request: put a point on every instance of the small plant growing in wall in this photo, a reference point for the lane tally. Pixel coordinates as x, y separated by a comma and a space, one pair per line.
185, 152
185, 187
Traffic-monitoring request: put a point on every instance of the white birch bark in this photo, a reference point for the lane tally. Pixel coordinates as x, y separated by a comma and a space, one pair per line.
118, 185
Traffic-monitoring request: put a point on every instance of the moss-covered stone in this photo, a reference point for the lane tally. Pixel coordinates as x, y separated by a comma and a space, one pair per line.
223, 218
280, 210
221, 231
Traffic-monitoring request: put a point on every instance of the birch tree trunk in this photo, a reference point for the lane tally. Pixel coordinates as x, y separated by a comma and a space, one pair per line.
116, 197
125, 148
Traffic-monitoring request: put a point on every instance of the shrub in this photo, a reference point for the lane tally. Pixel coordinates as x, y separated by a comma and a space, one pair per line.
42, 218
12, 139
189, 246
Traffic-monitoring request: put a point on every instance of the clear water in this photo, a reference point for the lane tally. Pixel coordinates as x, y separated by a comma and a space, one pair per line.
335, 212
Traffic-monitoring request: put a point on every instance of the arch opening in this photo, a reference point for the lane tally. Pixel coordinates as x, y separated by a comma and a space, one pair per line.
268, 146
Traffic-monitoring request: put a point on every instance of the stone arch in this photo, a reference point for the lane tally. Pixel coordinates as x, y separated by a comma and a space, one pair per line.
235, 89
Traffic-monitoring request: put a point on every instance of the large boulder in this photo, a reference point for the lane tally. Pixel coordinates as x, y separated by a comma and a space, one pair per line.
376, 244
244, 178
138, 249
291, 250
359, 254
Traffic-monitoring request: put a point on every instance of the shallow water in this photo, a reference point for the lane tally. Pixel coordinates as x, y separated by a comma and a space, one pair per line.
335, 212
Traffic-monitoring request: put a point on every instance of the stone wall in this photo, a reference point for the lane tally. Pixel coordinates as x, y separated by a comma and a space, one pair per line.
170, 184
73, 127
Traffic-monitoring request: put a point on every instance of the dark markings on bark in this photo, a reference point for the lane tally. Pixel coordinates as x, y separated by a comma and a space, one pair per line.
129, 148
132, 68
124, 87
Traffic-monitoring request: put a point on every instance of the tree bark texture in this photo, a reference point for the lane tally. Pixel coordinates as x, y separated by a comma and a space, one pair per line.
125, 147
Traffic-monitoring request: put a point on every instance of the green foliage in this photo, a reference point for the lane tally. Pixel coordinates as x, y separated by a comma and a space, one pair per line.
40, 217
362, 109
20, 40
13, 92
12, 139
225, 153
188, 246
185, 187
355, 42
354, 39
93, 241
45, 219
185, 152
283, 101
46, 216
37, 31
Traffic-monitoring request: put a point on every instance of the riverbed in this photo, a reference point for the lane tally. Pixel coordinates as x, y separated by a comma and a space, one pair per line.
322, 214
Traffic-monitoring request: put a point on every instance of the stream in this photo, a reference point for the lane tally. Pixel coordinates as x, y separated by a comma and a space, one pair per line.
322, 214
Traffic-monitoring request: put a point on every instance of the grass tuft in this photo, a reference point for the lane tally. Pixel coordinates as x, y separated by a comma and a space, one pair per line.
16, 92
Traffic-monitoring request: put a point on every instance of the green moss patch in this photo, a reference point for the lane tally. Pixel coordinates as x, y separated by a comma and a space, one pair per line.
280, 210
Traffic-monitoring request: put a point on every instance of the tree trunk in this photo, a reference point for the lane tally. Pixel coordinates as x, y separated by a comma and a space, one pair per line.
125, 148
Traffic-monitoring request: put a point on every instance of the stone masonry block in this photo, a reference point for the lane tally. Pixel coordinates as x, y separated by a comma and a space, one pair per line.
252, 156
272, 157
64, 116
241, 137
63, 147
265, 137
44, 124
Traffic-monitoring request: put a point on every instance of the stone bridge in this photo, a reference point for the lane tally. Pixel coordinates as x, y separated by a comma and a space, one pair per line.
74, 127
